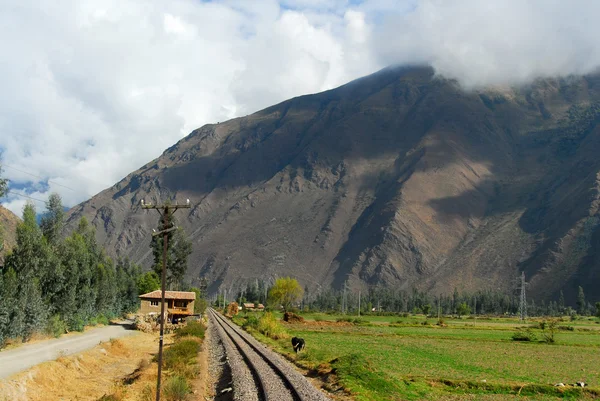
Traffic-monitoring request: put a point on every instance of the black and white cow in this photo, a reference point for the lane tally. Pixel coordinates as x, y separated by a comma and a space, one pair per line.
298, 344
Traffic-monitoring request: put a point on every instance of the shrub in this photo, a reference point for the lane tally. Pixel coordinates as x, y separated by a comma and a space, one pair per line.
194, 329
111, 397
566, 328
550, 328
251, 322
181, 354
524, 335
270, 327
101, 319
76, 323
56, 326
232, 309
176, 389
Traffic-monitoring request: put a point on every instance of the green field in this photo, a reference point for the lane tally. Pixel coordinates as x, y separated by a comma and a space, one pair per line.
396, 358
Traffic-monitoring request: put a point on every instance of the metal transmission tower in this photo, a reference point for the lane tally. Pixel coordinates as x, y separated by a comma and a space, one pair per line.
523, 300
166, 211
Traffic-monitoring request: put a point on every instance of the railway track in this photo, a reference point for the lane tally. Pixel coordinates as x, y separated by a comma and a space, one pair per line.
258, 373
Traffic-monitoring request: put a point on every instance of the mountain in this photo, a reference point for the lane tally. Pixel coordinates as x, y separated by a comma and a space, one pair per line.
399, 179
8, 230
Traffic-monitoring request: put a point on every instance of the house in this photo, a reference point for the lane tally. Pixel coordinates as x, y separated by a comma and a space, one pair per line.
250, 306
178, 304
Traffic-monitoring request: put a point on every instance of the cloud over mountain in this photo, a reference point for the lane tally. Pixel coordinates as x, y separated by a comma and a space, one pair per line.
98, 88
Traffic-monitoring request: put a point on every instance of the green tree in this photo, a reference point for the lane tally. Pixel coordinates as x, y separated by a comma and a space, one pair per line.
200, 303
561, 302
27, 258
598, 310
148, 282
53, 220
4, 311
179, 249
34, 308
127, 276
285, 292
426, 309
463, 309
581, 309
12, 307
3, 184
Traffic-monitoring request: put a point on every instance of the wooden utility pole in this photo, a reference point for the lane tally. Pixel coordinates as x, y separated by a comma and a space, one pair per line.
165, 211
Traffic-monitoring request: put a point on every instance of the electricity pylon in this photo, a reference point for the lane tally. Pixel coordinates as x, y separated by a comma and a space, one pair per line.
523, 300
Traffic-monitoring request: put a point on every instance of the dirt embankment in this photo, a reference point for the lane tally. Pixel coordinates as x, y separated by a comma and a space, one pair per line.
85, 376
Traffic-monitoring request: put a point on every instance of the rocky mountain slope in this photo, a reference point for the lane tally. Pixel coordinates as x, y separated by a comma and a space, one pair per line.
8, 229
400, 178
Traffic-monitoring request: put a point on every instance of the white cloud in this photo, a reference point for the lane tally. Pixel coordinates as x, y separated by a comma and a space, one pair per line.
99, 88
495, 42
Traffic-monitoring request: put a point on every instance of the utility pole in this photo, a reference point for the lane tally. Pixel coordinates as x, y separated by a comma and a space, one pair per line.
167, 210
344, 307
523, 301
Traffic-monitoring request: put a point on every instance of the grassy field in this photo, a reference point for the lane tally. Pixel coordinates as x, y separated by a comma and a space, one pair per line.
400, 358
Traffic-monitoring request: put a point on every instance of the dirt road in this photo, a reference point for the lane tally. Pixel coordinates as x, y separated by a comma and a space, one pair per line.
28, 355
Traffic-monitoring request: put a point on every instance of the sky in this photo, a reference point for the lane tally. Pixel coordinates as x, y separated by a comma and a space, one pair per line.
94, 89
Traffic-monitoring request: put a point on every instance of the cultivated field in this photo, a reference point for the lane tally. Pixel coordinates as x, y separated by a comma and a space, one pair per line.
396, 358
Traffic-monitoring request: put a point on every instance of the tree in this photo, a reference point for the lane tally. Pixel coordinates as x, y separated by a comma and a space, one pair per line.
200, 303
463, 309
179, 249
148, 282
598, 310
3, 184
53, 220
426, 309
581, 301
127, 277
285, 292
561, 302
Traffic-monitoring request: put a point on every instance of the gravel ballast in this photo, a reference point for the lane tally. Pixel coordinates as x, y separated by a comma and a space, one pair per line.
274, 386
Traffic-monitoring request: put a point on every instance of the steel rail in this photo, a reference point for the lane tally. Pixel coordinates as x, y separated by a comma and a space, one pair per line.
295, 394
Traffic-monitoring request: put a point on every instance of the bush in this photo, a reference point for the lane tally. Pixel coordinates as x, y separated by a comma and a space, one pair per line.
176, 389
56, 326
232, 309
550, 328
181, 354
101, 319
76, 323
251, 322
111, 397
524, 335
270, 327
566, 328
194, 329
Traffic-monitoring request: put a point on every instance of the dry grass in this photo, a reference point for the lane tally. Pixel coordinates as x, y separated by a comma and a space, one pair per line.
86, 376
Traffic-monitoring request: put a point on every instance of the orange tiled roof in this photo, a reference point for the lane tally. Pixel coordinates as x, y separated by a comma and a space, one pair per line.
170, 295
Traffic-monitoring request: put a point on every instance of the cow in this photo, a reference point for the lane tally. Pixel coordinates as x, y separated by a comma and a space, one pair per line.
298, 344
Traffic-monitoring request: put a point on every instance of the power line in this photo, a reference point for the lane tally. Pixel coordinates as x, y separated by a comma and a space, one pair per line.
36, 176
27, 196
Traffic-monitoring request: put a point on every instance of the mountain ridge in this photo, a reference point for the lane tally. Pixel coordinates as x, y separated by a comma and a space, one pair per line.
400, 178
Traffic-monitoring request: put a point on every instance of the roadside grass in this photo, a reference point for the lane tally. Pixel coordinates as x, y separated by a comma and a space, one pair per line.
180, 369
193, 329
465, 360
